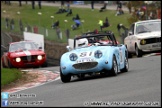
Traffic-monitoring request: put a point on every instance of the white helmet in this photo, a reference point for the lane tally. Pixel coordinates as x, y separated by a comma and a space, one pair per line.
82, 42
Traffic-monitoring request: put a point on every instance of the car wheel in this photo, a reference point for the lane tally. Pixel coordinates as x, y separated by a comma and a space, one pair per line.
45, 64
3, 65
138, 52
65, 78
9, 64
114, 70
126, 65
129, 55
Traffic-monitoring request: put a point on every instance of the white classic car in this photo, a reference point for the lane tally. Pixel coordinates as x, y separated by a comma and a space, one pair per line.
144, 37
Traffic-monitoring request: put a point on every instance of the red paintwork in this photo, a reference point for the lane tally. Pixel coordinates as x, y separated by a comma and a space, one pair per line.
10, 56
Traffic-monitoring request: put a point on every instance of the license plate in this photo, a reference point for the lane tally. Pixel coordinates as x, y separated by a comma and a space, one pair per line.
85, 60
156, 45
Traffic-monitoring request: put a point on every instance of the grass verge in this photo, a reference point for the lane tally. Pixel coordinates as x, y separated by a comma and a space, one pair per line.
9, 75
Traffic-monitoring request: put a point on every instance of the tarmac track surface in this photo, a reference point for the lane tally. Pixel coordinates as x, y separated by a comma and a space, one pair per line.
140, 86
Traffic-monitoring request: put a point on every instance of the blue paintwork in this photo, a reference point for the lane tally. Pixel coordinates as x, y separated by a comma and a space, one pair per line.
108, 52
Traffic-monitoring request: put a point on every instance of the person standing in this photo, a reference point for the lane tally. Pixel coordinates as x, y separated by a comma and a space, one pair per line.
20, 3
101, 24
12, 24
92, 5
68, 5
33, 4
62, 4
39, 4
129, 5
7, 22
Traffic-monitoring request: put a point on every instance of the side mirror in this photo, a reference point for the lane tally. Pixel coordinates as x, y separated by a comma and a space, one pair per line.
40, 47
130, 33
68, 48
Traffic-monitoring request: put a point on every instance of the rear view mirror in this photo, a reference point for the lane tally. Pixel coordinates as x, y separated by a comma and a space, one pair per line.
130, 33
68, 48
40, 47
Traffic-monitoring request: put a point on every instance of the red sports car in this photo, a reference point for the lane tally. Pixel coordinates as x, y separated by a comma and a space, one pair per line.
23, 54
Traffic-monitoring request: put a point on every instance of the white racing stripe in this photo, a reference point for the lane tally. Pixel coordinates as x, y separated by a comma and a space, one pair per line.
27, 52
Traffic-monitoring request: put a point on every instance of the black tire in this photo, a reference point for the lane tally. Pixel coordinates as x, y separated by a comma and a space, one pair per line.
65, 78
114, 70
45, 64
126, 65
9, 64
139, 52
129, 55
3, 65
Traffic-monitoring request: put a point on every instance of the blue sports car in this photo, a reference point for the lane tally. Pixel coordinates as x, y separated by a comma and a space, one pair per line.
94, 53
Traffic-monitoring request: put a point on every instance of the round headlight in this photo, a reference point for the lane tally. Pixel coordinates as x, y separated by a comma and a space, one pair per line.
143, 42
98, 54
73, 57
39, 57
18, 59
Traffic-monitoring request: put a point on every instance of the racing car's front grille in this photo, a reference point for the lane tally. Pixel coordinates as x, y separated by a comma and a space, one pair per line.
153, 40
26, 59
86, 65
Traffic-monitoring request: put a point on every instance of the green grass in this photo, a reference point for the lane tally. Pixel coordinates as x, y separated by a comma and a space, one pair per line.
30, 16
9, 75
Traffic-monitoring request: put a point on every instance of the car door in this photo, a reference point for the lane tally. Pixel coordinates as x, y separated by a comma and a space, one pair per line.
130, 39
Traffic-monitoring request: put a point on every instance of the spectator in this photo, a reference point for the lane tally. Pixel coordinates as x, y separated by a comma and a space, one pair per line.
28, 28
20, 3
62, 4
106, 23
119, 9
104, 7
92, 5
159, 13
7, 22
76, 25
12, 24
69, 12
39, 4
129, 5
56, 24
21, 25
101, 24
33, 4
76, 18
61, 10
68, 5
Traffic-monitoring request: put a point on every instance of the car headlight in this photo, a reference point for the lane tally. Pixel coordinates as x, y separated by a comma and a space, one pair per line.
18, 59
143, 42
39, 57
73, 57
98, 54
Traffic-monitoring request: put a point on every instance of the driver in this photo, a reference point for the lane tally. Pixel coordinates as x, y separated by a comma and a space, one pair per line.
82, 42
